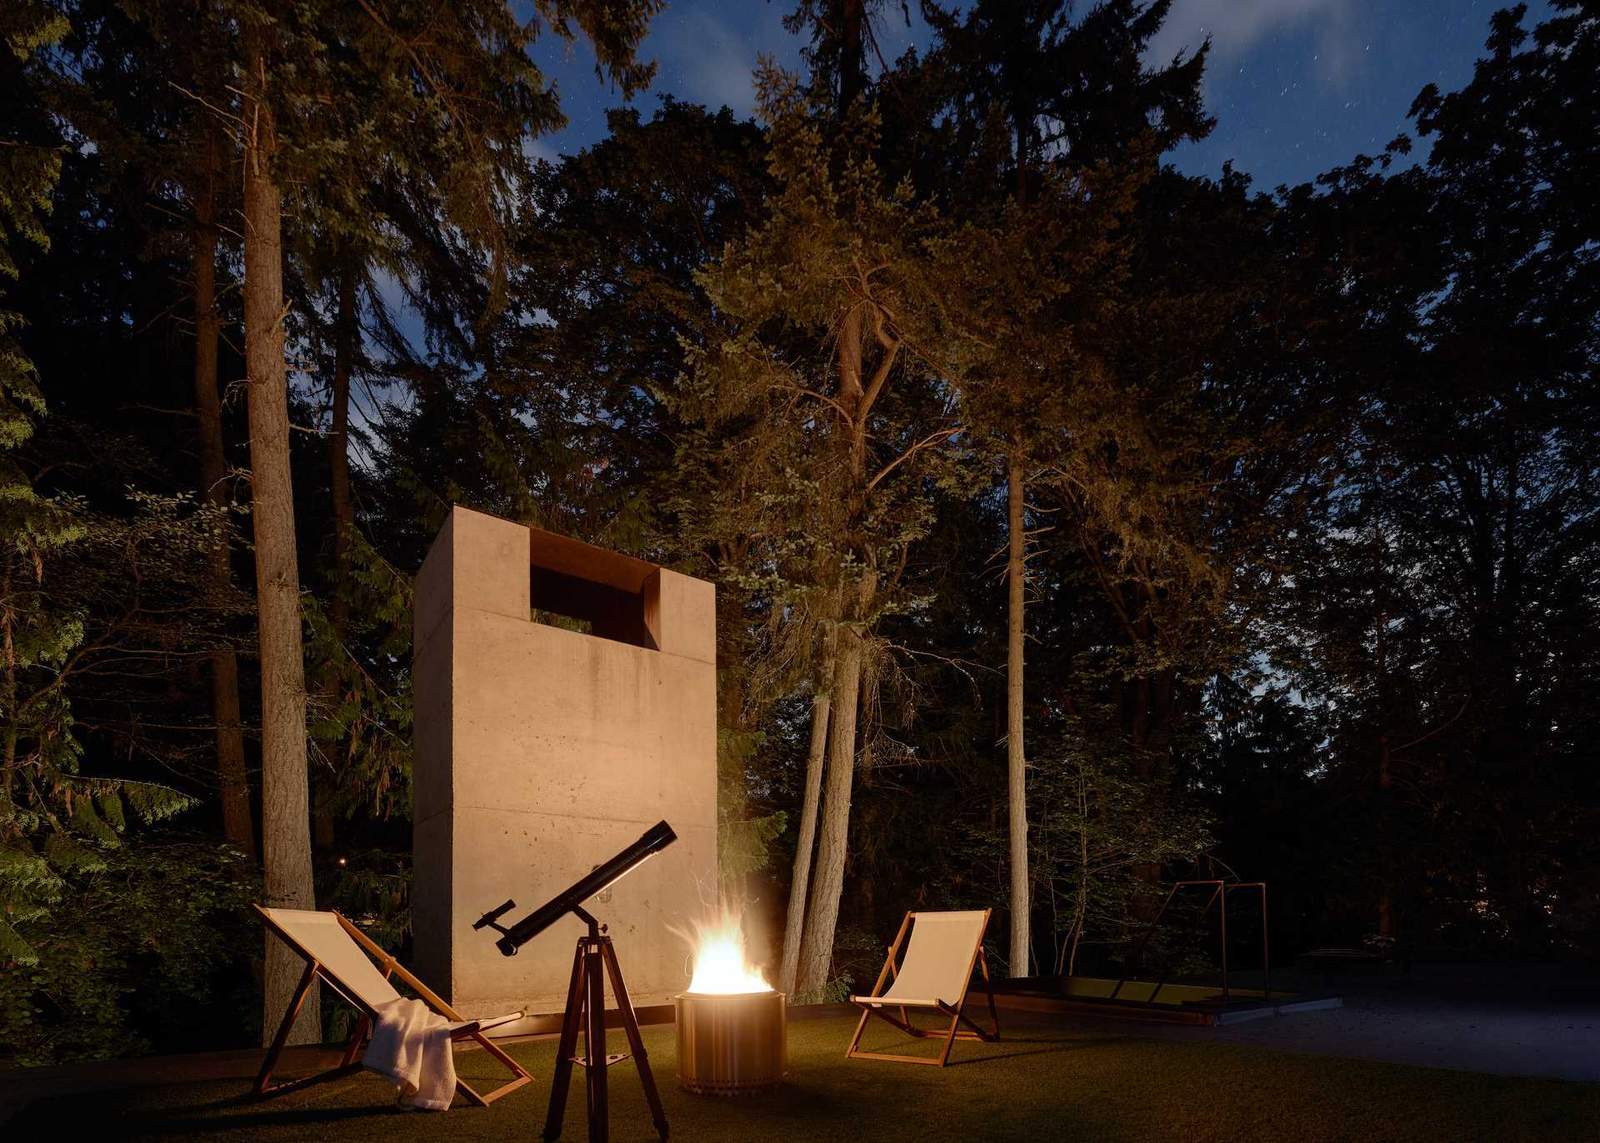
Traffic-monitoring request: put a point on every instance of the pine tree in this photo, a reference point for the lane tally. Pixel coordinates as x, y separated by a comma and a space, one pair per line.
1040, 91
315, 83
854, 270
35, 753
149, 108
58, 824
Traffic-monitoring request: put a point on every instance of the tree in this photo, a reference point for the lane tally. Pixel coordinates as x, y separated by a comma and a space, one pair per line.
170, 126
474, 91
1040, 90
285, 802
237, 816
145, 108
578, 421
73, 608
1438, 616
30, 636
1293, 493
854, 269
1510, 335
1099, 824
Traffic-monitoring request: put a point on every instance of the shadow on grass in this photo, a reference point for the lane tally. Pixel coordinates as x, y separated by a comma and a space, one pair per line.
172, 1110
791, 1101
1047, 1048
278, 1118
268, 1103
1006, 1048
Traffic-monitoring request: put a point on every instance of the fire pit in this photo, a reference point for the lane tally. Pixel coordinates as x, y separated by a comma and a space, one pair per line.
731, 1023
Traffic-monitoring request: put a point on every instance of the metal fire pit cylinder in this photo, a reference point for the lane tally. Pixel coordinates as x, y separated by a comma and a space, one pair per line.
731, 1045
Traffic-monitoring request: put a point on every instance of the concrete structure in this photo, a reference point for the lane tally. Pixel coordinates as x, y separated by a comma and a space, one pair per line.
543, 750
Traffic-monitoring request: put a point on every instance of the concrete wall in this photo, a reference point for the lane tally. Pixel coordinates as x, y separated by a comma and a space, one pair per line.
540, 752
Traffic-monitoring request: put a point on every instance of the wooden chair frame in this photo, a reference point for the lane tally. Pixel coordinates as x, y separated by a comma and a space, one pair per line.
956, 1012
470, 1030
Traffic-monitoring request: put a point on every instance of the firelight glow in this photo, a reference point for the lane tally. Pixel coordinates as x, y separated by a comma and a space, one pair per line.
720, 965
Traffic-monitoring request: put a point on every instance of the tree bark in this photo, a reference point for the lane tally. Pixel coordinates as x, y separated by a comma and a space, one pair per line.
346, 325
238, 823
1380, 662
800, 880
1083, 873
1016, 571
822, 913
285, 817
8, 684
1385, 848
852, 52
833, 841
1016, 759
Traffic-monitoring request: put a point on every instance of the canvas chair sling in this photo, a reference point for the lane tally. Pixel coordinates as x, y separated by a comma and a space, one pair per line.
342, 956
944, 950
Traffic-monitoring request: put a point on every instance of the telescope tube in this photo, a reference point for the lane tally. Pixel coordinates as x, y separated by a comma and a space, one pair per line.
654, 839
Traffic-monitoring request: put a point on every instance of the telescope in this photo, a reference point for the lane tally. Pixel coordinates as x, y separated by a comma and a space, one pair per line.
571, 899
594, 961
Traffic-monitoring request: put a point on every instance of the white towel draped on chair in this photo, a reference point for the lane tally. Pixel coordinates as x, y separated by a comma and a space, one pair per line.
411, 1038
411, 1046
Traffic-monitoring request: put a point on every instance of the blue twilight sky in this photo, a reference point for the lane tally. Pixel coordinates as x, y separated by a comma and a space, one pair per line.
1296, 86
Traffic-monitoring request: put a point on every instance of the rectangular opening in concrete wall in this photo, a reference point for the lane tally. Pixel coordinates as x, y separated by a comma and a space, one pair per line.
604, 593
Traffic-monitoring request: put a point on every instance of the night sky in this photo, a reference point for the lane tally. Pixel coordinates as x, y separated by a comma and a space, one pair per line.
1296, 86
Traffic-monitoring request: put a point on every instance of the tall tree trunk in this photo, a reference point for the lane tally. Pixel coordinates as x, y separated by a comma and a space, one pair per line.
1016, 626
1385, 846
238, 824
822, 913
1016, 759
346, 325
285, 817
800, 880
8, 685
1380, 662
833, 841
1082, 917
852, 52
344, 353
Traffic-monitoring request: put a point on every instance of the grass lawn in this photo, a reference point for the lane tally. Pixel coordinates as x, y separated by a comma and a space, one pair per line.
1044, 1081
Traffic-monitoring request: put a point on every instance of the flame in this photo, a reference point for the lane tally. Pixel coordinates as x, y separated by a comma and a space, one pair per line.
720, 965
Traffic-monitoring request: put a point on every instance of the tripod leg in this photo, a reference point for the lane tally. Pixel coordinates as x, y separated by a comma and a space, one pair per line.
594, 1038
630, 1023
562, 1078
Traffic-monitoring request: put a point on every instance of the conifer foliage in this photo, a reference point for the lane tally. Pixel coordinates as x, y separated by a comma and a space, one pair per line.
1077, 523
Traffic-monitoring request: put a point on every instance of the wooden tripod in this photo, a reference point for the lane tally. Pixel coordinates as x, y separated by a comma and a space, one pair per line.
594, 960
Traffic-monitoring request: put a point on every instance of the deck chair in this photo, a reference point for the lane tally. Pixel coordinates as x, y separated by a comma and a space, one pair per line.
342, 955
938, 965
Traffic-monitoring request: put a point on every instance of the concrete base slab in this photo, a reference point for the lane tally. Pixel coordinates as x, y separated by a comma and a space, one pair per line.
1261, 1011
1519, 1038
